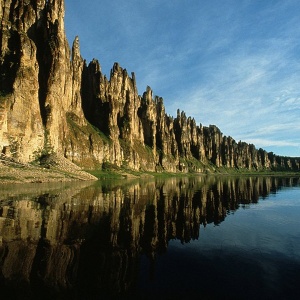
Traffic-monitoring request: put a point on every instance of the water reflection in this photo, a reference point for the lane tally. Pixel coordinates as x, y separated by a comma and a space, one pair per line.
85, 240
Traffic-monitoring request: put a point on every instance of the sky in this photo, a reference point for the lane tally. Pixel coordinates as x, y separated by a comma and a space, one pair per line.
230, 63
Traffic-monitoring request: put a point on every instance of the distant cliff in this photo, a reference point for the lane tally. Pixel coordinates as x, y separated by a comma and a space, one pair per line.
51, 100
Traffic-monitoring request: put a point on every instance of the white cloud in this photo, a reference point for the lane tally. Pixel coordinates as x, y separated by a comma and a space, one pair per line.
270, 143
234, 64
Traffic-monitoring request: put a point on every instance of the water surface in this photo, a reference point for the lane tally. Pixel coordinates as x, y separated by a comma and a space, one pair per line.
180, 238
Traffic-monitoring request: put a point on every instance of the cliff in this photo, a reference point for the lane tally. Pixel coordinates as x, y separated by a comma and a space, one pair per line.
51, 100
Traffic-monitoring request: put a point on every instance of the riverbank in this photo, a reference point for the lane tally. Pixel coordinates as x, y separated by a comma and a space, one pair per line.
53, 169
114, 172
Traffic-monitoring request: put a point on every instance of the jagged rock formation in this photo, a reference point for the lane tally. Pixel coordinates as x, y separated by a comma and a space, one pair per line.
51, 100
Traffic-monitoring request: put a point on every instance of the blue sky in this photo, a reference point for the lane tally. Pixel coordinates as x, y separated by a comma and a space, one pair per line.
231, 63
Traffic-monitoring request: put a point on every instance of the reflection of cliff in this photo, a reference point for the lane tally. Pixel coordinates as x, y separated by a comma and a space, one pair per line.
88, 239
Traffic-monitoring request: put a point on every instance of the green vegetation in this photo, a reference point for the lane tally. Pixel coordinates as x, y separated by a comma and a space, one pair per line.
253, 172
110, 171
86, 130
5, 177
42, 153
144, 152
103, 137
100, 174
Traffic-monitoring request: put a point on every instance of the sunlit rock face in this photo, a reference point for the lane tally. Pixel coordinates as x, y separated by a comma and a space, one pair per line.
39, 84
52, 100
20, 119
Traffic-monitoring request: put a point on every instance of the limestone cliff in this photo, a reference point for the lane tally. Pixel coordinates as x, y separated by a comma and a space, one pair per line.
51, 100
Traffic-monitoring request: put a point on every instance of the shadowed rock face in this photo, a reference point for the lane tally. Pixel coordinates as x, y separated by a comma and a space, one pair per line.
51, 100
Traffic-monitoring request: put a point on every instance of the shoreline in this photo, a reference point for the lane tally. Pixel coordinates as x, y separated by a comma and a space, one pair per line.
57, 169
62, 170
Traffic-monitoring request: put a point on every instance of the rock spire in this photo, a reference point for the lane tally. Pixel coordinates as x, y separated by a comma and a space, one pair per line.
51, 100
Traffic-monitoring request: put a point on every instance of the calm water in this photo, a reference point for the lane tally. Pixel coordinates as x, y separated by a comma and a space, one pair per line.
187, 238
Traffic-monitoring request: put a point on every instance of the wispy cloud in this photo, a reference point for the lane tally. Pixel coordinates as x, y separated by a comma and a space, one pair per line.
233, 63
277, 143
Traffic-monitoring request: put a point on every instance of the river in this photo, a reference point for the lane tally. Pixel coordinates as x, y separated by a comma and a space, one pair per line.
199, 237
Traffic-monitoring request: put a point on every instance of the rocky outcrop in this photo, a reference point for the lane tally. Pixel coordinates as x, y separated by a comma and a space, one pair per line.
21, 127
51, 100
